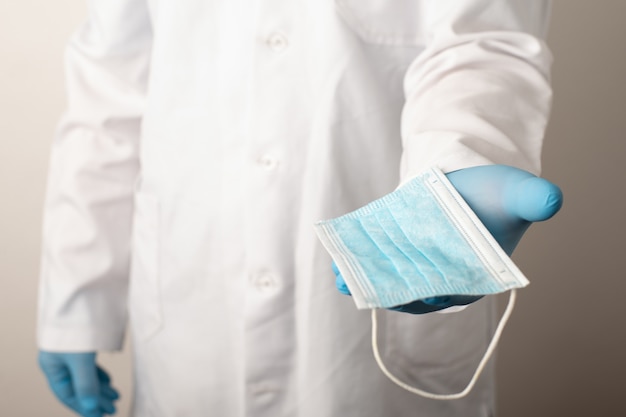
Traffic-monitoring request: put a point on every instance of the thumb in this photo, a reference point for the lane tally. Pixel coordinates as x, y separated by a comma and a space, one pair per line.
533, 199
85, 380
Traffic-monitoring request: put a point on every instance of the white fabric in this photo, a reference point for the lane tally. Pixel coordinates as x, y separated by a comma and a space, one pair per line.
206, 137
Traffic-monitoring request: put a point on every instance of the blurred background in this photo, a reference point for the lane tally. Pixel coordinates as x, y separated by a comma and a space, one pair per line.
564, 351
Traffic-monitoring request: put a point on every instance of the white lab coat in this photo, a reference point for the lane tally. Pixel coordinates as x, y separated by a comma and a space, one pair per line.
202, 140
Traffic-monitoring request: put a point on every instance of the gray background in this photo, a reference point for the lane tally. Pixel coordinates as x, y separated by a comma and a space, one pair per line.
563, 352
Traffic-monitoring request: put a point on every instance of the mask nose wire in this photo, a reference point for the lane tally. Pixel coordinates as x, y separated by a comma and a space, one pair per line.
481, 365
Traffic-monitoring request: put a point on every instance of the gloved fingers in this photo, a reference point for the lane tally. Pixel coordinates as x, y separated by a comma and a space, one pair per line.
79, 383
57, 374
341, 285
463, 300
451, 300
109, 393
106, 389
416, 307
61, 385
107, 406
437, 301
533, 199
103, 376
59, 378
86, 383
339, 281
431, 304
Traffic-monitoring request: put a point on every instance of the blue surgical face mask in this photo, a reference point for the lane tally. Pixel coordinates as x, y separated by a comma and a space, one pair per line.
420, 241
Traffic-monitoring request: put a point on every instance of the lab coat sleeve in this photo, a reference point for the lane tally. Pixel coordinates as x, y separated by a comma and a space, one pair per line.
93, 167
480, 91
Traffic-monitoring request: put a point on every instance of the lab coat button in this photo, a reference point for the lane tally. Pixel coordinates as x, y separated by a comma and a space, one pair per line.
277, 42
260, 389
268, 162
265, 281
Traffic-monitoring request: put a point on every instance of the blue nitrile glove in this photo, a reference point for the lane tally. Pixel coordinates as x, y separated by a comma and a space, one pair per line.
79, 383
507, 200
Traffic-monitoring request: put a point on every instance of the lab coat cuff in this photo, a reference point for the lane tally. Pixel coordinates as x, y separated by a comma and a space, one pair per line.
451, 151
55, 339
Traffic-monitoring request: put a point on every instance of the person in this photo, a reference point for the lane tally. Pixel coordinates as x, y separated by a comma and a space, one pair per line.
202, 141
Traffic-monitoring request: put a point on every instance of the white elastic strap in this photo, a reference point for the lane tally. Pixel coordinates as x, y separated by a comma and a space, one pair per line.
479, 369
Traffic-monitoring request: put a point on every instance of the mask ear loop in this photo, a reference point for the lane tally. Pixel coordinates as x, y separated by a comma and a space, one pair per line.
481, 366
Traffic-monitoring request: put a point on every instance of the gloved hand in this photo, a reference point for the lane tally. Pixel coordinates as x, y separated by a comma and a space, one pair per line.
79, 383
506, 200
